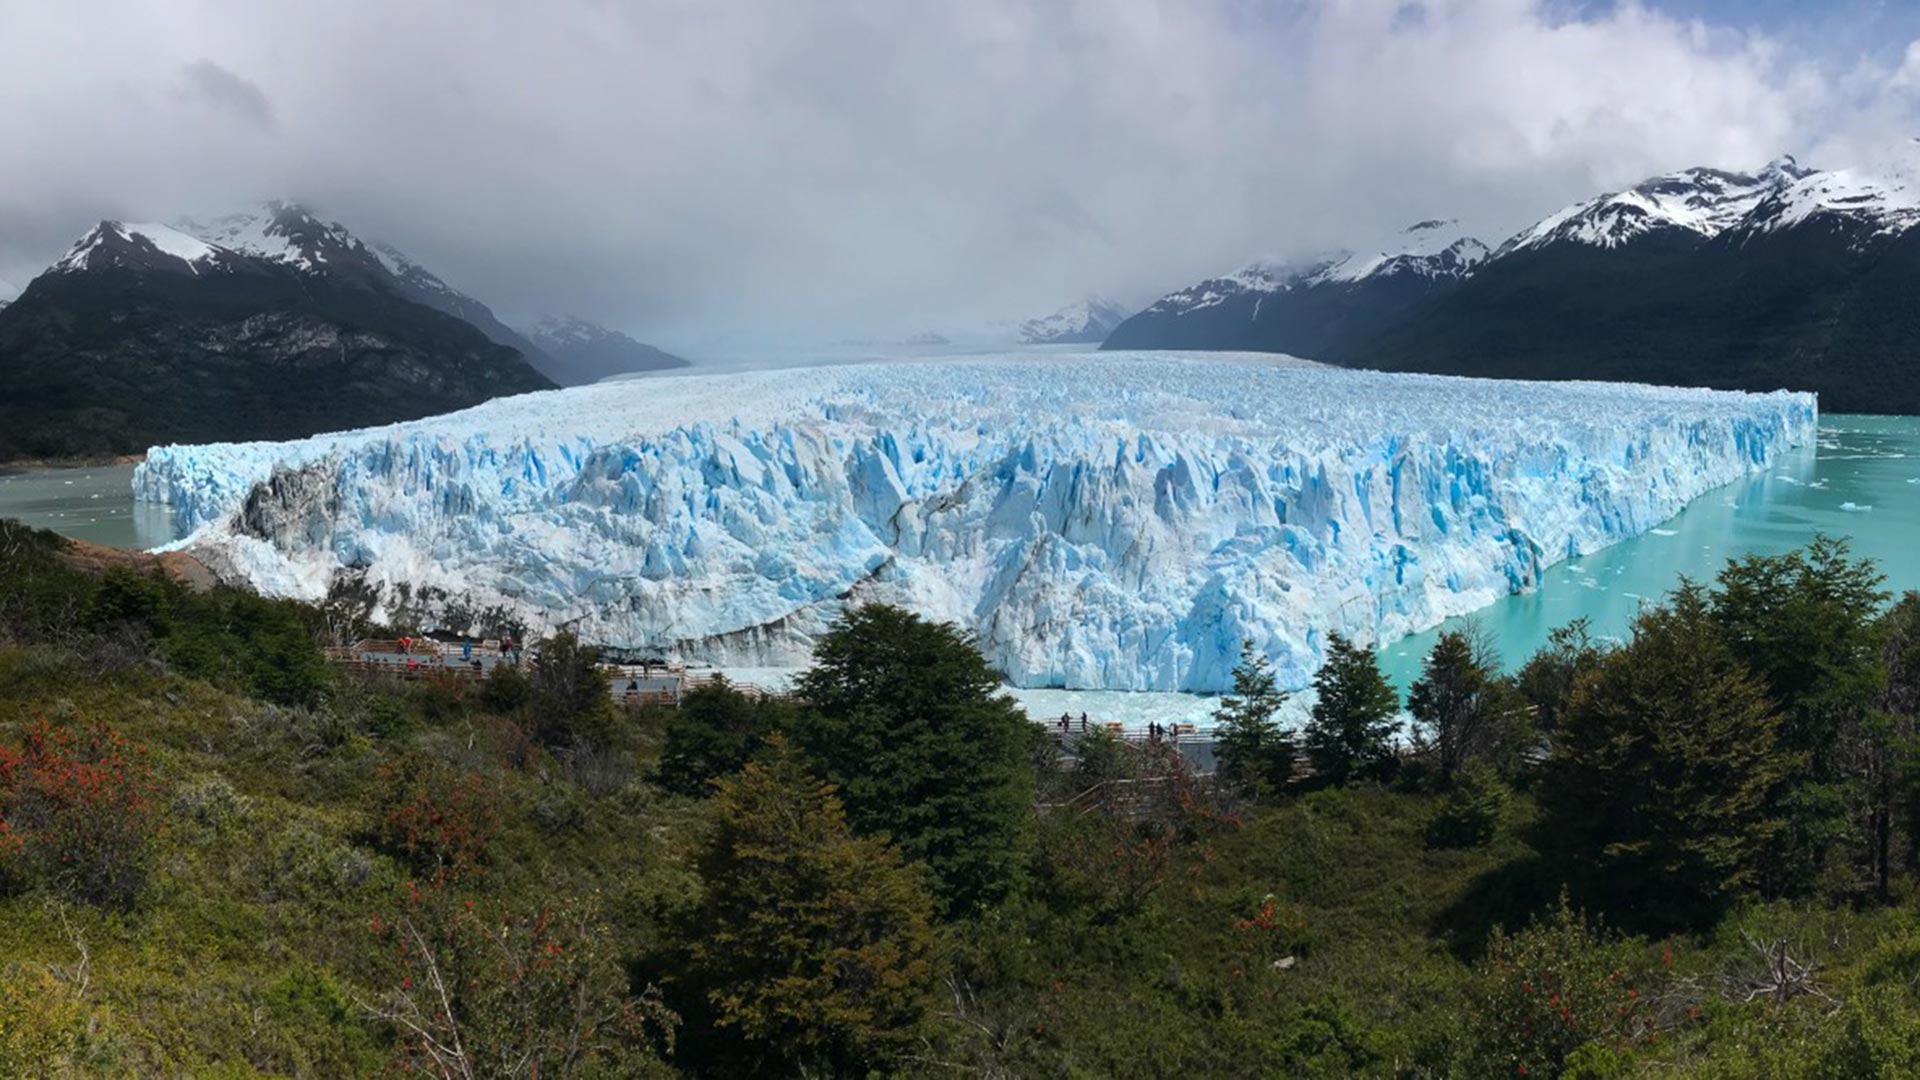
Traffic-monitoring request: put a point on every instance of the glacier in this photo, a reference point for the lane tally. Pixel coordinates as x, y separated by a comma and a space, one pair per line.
1118, 521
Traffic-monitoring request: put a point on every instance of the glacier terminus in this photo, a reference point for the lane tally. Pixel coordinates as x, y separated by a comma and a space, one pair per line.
1119, 521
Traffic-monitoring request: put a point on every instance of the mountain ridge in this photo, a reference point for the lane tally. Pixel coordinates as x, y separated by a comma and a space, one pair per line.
1307, 307
144, 334
587, 352
1786, 277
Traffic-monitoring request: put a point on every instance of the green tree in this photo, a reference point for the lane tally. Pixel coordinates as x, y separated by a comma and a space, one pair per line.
1547, 679
124, 597
713, 733
1462, 710
906, 719
1888, 754
506, 689
1100, 756
1252, 751
1805, 623
1349, 735
571, 697
1661, 779
811, 949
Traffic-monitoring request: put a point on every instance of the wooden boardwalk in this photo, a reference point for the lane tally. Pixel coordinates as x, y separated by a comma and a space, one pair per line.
1186, 738
427, 659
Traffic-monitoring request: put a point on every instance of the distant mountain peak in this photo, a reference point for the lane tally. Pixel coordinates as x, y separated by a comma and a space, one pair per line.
1702, 201
1878, 200
570, 328
1087, 320
140, 245
283, 232
1434, 249
584, 351
280, 233
1707, 203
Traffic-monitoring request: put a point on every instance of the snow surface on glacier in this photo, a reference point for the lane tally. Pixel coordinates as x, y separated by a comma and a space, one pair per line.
1113, 521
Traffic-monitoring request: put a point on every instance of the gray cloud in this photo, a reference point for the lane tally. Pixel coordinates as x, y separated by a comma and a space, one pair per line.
225, 91
707, 175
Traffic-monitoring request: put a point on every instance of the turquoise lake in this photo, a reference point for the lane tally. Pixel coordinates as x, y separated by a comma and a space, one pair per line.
1861, 480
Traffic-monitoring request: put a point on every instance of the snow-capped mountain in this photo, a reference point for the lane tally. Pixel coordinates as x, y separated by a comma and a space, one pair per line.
1696, 204
114, 245
1310, 307
1876, 202
1704, 204
285, 233
1114, 521
290, 234
1433, 250
588, 352
1086, 321
260, 325
1786, 277
1253, 280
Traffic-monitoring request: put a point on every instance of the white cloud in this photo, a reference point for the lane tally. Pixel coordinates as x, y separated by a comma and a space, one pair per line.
688, 169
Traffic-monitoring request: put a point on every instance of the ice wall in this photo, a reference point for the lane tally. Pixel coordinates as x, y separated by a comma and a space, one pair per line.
1112, 520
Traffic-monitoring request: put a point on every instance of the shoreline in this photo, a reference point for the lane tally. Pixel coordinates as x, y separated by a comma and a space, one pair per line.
18, 466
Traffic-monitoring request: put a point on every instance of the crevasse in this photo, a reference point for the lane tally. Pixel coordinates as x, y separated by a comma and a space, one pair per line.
1112, 521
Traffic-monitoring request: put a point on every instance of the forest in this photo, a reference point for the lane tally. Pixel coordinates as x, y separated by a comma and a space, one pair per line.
1691, 851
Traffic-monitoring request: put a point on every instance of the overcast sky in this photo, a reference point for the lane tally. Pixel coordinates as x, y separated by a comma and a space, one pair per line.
709, 173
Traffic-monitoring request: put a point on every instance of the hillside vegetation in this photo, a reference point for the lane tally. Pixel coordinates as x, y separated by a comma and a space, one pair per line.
1689, 854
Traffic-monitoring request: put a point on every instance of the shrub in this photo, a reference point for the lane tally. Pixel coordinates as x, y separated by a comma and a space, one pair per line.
518, 993
441, 820
76, 806
1100, 756
1472, 811
40, 1020
506, 690
1273, 931
122, 597
244, 641
1550, 990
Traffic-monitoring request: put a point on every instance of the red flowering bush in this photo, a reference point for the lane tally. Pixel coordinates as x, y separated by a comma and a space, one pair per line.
440, 819
76, 812
1553, 988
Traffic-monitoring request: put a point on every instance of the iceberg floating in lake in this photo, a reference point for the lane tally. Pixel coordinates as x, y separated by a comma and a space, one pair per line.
1104, 521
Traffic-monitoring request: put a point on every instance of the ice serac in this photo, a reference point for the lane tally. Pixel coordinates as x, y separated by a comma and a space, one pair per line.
1112, 520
